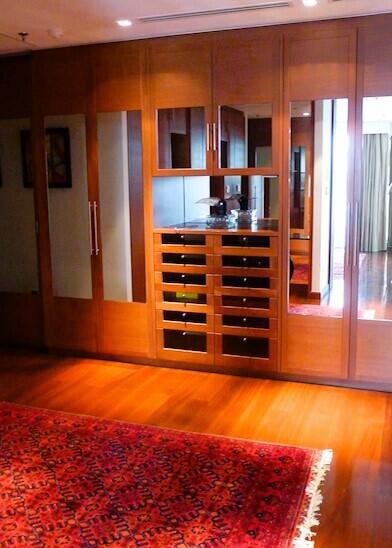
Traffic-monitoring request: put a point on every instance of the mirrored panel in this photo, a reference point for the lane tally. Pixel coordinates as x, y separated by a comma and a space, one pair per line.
250, 202
318, 186
121, 205
375, 212
69, 216
245, 136
18, 248
181, 138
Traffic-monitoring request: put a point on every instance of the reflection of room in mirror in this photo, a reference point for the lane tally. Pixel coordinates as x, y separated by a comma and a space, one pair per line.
260, 194
18, 248
318, 184
375, 211
245, 136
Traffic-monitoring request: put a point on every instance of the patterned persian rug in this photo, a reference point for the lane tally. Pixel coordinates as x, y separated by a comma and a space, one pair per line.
68, 480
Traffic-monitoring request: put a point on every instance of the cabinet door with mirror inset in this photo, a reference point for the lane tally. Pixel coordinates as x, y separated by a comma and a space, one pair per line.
318, 263
121, 206
18, 247
373, 235
73, 239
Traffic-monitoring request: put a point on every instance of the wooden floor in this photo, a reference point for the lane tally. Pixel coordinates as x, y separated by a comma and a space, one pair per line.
357, 425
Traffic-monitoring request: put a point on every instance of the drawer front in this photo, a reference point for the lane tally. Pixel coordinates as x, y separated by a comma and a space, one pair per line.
185, 345
246, 241
185, 242
184, 302
167, 281
246, 325
183, 239
185, 320
249, 305
245, 282
191, 259
226, 344
247, 347
245, 261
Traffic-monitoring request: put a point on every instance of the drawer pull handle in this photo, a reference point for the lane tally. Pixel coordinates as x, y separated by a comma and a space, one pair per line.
244, 320
182, 256
244, 339
244, 259
183, 333
245, 280
244, 300
184, 314
244, 239
183, 276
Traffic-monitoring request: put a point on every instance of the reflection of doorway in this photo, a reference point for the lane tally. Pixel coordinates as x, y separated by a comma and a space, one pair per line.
324, 199
375, 210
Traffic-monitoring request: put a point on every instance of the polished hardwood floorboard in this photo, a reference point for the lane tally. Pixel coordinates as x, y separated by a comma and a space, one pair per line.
357, 425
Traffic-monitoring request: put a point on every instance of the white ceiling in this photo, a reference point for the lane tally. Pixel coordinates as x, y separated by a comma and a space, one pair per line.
89, 21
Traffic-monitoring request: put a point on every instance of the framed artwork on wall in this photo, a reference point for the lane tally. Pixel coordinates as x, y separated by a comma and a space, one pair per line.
58, 158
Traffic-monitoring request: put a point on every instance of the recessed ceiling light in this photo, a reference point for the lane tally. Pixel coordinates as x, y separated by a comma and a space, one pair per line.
124, 22
309, 3
306, 114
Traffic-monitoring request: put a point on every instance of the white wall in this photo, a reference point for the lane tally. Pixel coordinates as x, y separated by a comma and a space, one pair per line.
18, 251
68, 216
321, 195
114, 205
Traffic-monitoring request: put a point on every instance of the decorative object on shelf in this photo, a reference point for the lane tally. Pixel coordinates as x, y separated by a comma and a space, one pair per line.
58, 158
107, 483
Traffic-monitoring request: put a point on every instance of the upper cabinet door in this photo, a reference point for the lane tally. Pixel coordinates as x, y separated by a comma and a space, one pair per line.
117, 76
180, 101
246, 93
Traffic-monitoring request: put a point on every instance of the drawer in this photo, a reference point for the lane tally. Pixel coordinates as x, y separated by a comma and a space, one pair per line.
246, 291
251, 354
185, 320
249, 305
246, 325
183, 262
178, 282
245, 281
192, 243
186, 346
245, 265
245, 241
185, 301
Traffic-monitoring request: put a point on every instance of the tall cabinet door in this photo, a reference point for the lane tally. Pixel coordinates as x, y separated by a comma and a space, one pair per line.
61, 85
124, 327
372, 287
247, 101
320, 101
180, 105
20, 311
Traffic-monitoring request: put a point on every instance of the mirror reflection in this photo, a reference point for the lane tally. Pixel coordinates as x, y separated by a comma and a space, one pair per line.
18, 248
318, 186
181, 138
121, 205
247, 201
69, 219
245, 136
375, 211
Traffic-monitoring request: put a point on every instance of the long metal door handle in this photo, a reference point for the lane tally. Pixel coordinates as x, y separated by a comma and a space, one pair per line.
214, 138
96, 228
208, 137
348, 228
356, 250
90, 228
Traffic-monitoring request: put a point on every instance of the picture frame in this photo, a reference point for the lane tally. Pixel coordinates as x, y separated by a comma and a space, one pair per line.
58, 158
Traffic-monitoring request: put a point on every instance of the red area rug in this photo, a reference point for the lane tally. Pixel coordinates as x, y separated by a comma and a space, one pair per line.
79, 481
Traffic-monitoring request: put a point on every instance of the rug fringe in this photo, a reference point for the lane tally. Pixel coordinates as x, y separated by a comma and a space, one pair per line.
311, 513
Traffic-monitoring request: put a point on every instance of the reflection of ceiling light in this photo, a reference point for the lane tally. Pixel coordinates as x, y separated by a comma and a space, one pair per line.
306, 114
124, 22
309, 3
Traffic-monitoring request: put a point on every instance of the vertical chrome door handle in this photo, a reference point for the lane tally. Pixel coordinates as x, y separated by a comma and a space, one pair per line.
214, 137
90, 228
96, 228
356, 250
208, 137
348, 229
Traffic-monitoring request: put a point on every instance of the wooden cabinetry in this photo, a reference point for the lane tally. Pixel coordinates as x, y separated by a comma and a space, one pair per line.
216, 298
218, 120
